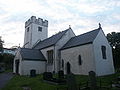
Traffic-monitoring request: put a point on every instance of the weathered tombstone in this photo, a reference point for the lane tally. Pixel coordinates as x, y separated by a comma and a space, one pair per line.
71, 82
118, 79
93, 83
47, 76
60, 74
32, 73
26, 87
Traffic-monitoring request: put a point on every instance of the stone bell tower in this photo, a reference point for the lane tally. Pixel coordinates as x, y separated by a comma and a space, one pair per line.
35, 30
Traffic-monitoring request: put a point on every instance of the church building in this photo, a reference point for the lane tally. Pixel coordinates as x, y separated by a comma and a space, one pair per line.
63, 51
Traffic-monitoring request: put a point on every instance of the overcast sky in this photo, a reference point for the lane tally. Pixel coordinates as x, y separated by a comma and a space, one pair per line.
82, 15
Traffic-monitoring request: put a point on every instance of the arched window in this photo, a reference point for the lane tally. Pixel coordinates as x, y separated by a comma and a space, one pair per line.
79, 60
68, 68
103, 48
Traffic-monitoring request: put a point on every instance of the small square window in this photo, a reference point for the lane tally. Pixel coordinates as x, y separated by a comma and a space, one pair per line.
40, 29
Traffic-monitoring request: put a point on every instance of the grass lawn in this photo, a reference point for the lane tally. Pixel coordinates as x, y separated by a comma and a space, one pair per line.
36, 83
8, 70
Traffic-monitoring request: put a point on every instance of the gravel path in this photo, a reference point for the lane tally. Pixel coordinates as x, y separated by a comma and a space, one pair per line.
4, 78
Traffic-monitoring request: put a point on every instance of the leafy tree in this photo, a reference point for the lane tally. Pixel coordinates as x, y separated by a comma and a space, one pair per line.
8, 60
1, 49
1, 44
114, 40
1, 58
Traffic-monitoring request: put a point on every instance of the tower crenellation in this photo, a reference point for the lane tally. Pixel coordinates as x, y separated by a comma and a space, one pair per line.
38, 21
45, 23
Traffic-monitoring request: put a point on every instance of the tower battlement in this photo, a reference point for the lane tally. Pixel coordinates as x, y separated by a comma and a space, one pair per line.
38, 21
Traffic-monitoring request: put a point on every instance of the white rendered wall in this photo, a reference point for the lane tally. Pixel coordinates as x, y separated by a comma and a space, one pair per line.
71, 55
38, 35
103, 66
50, 67
26, 66
17, 57
68, 35
27, 38
33, 35
55, 66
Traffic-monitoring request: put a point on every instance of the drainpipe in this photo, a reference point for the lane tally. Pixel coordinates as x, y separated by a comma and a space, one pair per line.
45, 66
54, 57
59, 58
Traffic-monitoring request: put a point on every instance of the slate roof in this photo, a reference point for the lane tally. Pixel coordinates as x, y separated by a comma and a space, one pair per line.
82, 39
50, 41
32, 54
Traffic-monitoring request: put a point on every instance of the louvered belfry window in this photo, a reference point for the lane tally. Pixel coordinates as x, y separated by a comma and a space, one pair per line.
40, 29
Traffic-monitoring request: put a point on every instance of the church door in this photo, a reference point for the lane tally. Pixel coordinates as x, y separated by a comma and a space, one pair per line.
17, 66
68, 68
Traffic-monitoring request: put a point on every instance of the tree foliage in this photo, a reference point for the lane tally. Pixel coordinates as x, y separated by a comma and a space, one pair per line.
1, 58
114, 40
5, 58
1, 49
1, 44
8, 60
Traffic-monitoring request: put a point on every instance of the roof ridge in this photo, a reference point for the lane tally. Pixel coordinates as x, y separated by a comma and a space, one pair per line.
54, 35
88, 32
28, 49
51, 37
82, 39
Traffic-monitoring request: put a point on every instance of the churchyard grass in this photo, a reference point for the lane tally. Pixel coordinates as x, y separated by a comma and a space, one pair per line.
36, 83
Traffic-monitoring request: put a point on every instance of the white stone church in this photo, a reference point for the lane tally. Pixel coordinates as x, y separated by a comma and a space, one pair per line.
63, 51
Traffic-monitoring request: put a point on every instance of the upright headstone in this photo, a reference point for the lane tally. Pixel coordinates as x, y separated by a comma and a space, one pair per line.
47, 76
32, 73
71, 82
93, 83
60, 74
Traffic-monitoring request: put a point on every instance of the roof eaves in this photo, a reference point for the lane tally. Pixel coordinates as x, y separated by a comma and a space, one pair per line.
47, 46
28, 59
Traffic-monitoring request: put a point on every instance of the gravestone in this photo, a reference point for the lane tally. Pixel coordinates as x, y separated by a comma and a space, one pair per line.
32, 73
47, 76
61, 74
93, 83
71, 82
